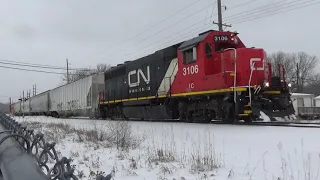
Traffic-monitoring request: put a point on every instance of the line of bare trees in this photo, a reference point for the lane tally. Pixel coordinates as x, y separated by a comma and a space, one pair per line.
301, 70
82, 73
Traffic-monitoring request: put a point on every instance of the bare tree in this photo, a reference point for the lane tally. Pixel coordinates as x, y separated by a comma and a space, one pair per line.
296, 63
82, 73
102, 67
306, 65
287, 60
313, 86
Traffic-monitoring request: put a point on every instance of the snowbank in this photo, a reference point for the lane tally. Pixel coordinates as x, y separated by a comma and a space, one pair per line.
189, 151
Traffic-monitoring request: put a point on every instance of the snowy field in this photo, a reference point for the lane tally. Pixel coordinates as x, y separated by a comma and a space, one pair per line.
154, 151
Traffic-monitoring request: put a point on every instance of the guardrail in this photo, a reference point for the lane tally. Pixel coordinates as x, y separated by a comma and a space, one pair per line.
309, 112
20, 147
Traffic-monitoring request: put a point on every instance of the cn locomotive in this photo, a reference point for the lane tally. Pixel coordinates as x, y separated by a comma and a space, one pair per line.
211, 76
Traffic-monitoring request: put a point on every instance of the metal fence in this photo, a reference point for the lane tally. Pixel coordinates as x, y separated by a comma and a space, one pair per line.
309, 111
24, 154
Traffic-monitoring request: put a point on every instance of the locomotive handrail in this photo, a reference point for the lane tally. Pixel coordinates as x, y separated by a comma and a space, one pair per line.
250, 78
235, 74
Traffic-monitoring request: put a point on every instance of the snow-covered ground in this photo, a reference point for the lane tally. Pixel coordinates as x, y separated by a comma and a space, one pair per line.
190, 151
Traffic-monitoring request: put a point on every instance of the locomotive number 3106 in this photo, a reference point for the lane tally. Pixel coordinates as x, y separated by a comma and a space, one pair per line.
190, 70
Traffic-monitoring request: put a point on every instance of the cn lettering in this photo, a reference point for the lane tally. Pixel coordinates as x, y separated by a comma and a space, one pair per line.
139, 73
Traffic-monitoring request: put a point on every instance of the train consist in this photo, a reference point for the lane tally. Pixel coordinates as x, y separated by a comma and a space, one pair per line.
212, 76
78, 98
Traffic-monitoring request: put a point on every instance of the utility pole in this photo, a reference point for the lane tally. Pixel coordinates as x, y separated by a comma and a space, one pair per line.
34, 90
23, 104
10, 105
220, 24
67, 71
298, 87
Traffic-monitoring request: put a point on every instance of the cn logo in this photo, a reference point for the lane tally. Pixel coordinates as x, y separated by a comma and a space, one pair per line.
254, 62
139, 73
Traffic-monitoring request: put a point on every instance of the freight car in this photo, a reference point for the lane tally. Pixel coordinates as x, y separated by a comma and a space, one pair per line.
78, 98
39, 104
212, 76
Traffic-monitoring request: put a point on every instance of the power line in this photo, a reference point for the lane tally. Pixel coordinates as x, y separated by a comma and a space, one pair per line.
271, 14
156, 24
172, 25
188, 28
3, 60
179, 31
191, 16
213, 10
36, 66
208, 10
184, 35
17, 63
178, 22
31, 70
2, 96
268, 10
255, 9
242, 4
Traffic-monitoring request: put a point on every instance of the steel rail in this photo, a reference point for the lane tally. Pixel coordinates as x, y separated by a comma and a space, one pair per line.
255, 123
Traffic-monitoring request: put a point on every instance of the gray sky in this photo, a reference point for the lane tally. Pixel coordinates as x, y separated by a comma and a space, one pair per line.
91, 32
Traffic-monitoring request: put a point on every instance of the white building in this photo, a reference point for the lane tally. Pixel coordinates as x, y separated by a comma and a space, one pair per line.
302, 100
317, 101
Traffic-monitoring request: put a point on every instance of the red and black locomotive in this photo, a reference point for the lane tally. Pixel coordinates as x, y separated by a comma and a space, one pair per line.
212, 76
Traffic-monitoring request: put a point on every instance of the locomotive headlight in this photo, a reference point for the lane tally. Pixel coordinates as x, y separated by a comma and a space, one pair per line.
289, 85
266, 84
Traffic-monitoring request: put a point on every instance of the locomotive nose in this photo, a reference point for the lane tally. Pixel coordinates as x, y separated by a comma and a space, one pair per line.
252, 66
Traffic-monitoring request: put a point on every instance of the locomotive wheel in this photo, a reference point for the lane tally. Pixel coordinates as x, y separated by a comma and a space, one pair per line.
190, 118
208, 115
248, 119
230, 115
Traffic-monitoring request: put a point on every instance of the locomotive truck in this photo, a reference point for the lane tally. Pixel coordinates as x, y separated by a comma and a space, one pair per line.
211, 76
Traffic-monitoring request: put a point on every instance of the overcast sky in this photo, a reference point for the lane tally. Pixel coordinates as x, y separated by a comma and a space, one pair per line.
91, 32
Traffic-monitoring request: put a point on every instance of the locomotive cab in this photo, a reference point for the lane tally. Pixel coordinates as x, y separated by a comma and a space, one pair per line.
219, 65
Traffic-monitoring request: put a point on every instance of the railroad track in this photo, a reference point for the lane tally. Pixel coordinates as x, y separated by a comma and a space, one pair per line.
278, 123
257, 123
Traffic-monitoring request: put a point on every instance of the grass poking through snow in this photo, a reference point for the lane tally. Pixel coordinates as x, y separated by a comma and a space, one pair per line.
129, 151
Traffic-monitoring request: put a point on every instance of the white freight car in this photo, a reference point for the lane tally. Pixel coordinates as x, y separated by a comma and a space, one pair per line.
78, 98
39, 104
25, 107
317, 101
16, 108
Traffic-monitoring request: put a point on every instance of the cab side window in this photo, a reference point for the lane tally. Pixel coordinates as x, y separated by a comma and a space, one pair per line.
190, 55
208, 49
